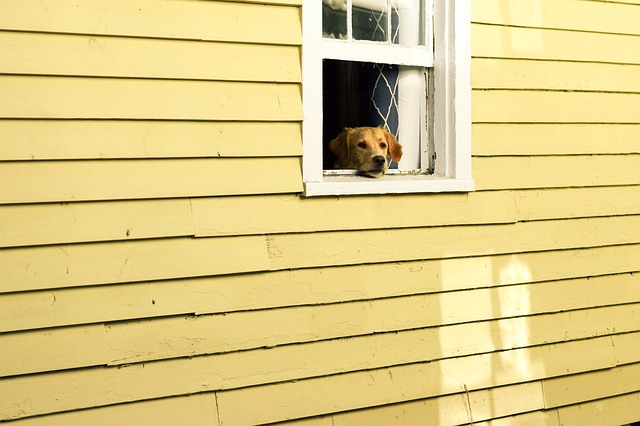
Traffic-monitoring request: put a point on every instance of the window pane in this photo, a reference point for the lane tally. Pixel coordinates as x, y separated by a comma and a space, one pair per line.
371, 20
334, 19
396, 21
410, 19
357, 94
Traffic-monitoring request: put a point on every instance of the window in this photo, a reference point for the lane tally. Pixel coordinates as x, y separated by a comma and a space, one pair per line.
401, 64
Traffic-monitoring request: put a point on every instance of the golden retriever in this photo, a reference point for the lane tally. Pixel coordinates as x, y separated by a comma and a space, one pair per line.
365, 149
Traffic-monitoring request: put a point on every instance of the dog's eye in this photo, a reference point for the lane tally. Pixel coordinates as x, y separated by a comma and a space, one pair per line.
362, 144
383, 145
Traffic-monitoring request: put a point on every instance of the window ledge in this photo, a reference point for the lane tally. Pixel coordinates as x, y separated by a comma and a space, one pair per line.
388, 184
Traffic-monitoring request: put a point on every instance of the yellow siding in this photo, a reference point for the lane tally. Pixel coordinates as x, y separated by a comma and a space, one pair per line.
73, 97
121, 179
197, 410
117, 57
103, 139
210, 295
171, 19
159, 266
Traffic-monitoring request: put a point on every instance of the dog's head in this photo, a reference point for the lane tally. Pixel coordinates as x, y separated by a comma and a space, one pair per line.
365, 149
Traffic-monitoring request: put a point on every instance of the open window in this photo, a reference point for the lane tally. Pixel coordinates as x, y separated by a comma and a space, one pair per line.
399, 64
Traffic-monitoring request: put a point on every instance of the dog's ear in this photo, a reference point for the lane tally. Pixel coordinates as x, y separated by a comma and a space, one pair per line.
340, 147
395, 149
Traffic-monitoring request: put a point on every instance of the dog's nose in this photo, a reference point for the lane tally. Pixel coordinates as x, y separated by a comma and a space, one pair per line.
379, 160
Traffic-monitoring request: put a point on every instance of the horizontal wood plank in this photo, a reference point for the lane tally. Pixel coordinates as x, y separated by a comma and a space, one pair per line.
591, 385
76, 389
616, 410
230, 215
577, 202
75, 98
53, 223
144, 341
517, 106
36, 224
275, 402
340, 248
194, 20
311, 421
546, 417
307, 215
491, 173
195, 409
569, 15
96, 56
83, 264
465, 408
490, 73
490, 139
105, 263
492, 41
117, 139
58, 181
210, 295
626, 347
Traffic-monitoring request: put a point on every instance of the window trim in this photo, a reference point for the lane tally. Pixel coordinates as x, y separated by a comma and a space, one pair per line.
451, 107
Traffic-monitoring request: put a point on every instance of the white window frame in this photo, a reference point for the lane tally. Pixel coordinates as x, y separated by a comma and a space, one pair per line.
450, 125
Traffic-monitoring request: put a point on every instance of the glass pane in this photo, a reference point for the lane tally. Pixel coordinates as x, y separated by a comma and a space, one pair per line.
357, 94
370, 20
334, 19
408, 22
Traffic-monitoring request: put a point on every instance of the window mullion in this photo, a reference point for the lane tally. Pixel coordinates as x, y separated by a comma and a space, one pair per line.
349, 19
389, 26
376, 52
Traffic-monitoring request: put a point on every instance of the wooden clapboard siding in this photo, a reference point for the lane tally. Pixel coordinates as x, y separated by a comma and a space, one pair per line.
407, 382
626, 345
591, 385
567, 15
528, 139
547, 418
39, 224
554, 75
102, 263
103, 139
471, 407
191, 20
306, 287
617, 411
195, 409
229, 215
577, 202
92, 56
171, 338
529, 106
105, 263
55, 223
159, 266
65, 390
556, 171
58, 181
349, 248
75, 98
491, 207
462, 408
497, 41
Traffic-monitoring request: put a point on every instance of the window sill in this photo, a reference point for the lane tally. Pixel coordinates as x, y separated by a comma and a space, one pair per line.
388, 184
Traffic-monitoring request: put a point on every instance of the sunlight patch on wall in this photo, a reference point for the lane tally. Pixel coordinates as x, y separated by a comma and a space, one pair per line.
515, 302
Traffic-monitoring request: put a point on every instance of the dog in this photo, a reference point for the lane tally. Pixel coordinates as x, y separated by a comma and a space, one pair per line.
365, 149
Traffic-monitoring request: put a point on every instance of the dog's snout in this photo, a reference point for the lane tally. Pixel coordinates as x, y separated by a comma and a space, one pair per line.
379, 160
